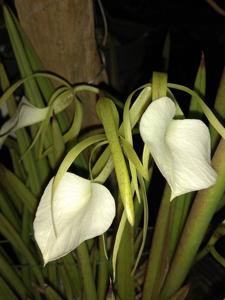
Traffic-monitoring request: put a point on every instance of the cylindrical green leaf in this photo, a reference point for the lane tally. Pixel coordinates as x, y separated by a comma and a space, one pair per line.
105, 107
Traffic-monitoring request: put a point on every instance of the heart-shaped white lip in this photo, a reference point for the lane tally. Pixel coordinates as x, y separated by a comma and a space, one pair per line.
81, 210
180, 148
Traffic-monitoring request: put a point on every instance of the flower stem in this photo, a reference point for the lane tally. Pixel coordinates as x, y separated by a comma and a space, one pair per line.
178, 215
86, 271
159, 85
159, 88
125, 262
157, 246
103, 272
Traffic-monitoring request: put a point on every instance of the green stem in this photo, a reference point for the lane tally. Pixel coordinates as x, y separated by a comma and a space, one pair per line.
125, 262
157, 245
8, 272
71, 268
86, 271
221, 204
174, 224
177, 217
26, 238
205, 204
53, 271
159, 85
219, 108
178, 214
102, 271
159, 89
29, 162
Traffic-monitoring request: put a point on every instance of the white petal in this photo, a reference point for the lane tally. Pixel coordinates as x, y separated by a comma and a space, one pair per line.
180, 148
81, 209
26, 115
189, 144
30, 114
153, 126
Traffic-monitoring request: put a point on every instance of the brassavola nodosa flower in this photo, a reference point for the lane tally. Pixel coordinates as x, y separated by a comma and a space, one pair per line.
81, 210
25, 115
180, 148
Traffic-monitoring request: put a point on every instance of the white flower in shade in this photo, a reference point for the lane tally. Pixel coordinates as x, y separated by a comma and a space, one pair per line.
26, 115
180, 148
81, 210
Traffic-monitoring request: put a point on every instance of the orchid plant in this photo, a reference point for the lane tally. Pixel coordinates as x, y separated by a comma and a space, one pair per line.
90, 228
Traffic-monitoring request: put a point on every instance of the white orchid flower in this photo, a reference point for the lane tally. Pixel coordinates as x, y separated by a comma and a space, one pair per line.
81, 210
180, 148
26, 115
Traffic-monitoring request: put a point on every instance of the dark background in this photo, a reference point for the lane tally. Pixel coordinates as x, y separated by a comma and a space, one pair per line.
139, 29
